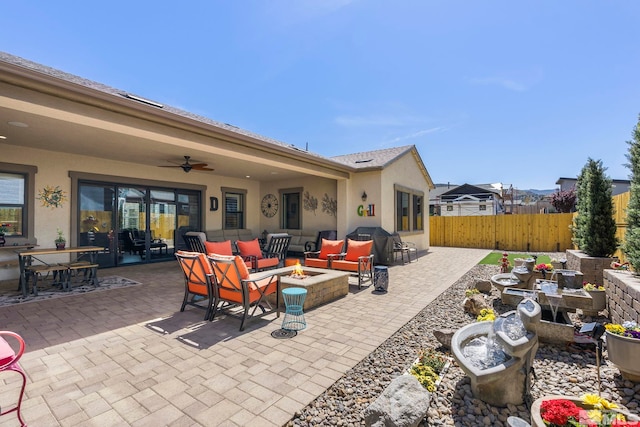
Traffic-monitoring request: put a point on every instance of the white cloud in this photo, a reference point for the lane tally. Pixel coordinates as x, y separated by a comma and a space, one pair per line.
415, 135
505, 83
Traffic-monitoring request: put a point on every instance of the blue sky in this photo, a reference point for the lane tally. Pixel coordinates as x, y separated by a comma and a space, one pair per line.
518, 92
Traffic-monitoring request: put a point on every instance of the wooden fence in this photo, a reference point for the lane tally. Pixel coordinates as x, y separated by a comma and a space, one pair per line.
529, 232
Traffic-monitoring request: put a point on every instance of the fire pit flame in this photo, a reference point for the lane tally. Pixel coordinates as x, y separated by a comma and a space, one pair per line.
297, 272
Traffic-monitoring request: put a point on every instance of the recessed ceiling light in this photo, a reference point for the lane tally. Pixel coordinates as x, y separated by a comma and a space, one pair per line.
3, 137
274, 173
18, 124
247, 176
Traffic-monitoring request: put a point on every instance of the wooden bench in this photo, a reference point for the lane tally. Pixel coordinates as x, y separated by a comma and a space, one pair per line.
38, 270
88, 269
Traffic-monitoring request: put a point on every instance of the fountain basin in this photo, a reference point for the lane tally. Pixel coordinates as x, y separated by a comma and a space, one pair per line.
506, 280
506, 381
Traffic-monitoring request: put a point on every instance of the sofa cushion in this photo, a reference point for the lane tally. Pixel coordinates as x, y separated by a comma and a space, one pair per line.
356, 249
249, 248
219, 248
330, 247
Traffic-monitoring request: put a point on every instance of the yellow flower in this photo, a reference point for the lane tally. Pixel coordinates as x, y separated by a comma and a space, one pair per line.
591, 399
598, 402
595, 415
614, 328
486, 314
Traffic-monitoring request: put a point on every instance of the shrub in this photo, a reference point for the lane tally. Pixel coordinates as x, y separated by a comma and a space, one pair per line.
631, 246
594, 228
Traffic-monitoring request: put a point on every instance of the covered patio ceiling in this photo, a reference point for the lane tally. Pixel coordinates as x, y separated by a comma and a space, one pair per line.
46, 112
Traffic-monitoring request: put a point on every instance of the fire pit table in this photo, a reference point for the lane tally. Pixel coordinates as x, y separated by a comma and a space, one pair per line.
322, 285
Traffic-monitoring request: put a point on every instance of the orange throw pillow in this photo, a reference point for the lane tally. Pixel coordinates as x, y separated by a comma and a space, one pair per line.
250, 248
330, 247
243, 271
356, 249
221, 248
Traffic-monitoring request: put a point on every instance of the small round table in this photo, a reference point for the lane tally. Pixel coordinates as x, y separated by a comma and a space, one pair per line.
293, 316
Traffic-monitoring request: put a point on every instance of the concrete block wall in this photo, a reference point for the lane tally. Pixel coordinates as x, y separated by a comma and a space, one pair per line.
591, 267
623, 295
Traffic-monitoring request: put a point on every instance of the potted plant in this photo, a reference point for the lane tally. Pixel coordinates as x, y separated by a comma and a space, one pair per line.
623, 345
3, 229
589, 410
60, 240
598, 298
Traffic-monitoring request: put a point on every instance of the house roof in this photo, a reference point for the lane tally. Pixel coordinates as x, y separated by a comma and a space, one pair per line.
454, 189
379, 159
230, 148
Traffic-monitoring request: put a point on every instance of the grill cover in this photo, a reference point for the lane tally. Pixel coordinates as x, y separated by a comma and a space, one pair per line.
382, 242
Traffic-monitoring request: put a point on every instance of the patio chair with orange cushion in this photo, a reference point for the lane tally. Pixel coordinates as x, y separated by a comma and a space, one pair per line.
236, 287
198, 282
329, 249
357, 259
255, 258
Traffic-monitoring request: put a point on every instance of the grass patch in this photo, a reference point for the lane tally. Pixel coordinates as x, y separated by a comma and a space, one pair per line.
495, 258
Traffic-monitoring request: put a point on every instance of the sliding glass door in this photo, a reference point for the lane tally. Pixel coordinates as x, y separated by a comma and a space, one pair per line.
136, 224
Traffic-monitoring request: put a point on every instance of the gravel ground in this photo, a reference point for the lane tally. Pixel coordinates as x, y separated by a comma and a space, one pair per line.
560, 369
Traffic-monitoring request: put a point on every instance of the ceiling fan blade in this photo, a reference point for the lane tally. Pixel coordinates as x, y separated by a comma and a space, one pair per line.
199, 165
202, 168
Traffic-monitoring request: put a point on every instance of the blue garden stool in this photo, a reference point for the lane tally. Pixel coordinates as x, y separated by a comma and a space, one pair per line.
293, 302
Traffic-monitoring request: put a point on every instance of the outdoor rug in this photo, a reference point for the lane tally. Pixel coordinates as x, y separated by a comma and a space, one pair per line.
10, 295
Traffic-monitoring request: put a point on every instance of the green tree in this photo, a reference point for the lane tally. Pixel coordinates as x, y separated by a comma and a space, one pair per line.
631, 246
594, 226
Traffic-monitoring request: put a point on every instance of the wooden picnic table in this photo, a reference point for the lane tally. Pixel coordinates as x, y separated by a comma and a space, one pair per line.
26, 258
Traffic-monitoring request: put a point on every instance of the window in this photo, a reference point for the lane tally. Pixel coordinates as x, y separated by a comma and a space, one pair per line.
291, 218
482, 207
234, 208
17, 192
449, 207
409, 209
402, 214
12, 203
417, 210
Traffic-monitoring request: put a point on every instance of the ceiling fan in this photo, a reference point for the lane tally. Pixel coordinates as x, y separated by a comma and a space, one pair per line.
187, 167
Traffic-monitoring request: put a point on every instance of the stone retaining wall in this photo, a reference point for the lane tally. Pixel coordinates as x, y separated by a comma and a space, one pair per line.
623, 295
590, 267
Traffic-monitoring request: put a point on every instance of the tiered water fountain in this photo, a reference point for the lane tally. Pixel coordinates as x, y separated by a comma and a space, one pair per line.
497, 356
521, 277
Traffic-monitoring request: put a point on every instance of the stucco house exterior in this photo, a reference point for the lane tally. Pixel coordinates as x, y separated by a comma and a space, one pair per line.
468, 200
618, 186
91, 161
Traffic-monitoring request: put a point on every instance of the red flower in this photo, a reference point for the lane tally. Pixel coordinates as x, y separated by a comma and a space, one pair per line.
558, 411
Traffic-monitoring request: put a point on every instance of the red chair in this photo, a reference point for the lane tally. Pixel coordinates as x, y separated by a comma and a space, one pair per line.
198, 282
358, 259
9, 362
236, 287
253, 256
329, 249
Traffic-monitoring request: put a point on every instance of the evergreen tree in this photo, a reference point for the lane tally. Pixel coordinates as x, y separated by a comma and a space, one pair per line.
594, 226
631, 246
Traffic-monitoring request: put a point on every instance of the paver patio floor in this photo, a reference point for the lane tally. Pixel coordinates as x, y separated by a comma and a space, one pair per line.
129, 357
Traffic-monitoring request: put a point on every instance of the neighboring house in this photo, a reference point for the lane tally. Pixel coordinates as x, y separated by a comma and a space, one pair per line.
470, 200
92, 161
618, 186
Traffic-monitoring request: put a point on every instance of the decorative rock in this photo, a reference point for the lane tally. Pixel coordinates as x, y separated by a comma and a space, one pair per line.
444, 337
475, 304
404, 403
483, 286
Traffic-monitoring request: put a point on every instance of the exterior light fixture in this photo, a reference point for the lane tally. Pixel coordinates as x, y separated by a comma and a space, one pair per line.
364, 196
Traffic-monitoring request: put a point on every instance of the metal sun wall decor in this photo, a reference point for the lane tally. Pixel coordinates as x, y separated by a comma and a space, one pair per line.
329, 205
310, 203
52, 197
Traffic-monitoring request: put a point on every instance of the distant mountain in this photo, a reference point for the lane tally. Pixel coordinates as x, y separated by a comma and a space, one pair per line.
540, 192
